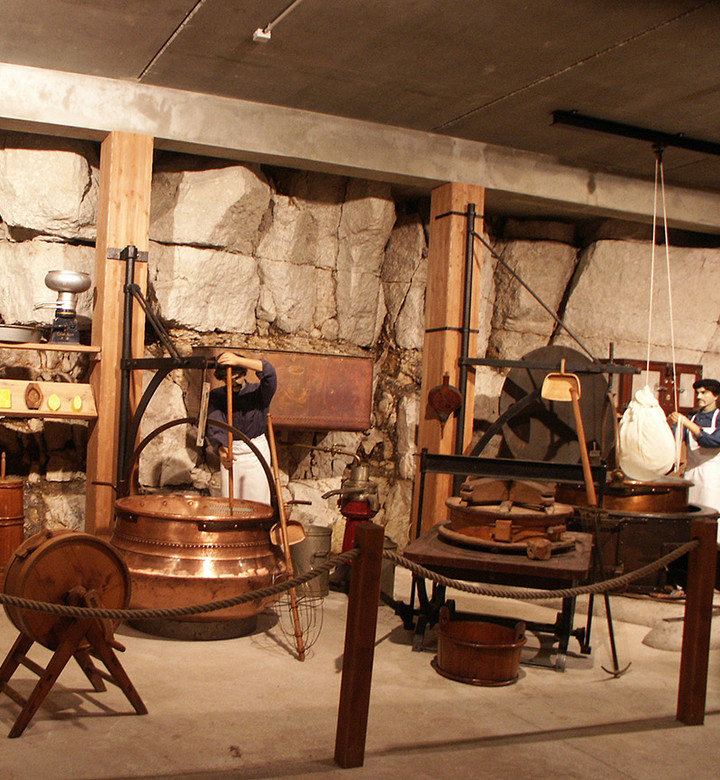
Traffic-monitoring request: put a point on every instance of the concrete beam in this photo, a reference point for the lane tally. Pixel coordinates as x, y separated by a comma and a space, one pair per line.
57, 103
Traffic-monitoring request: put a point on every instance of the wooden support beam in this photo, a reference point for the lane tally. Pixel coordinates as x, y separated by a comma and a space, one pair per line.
123, 220
442, 347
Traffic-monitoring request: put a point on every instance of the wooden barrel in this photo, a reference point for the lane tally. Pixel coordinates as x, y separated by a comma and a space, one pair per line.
48, 565
11, 518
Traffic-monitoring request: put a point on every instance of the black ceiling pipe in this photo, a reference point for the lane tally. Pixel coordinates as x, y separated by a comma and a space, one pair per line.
657, 137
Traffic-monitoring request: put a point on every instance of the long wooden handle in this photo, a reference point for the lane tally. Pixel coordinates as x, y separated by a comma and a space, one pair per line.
231, 475
299, 642
589, 484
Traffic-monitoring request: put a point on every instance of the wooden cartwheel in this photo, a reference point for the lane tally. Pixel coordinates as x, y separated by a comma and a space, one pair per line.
71, 568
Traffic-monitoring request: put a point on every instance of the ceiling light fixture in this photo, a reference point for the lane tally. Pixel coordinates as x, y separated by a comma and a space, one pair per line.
264, 34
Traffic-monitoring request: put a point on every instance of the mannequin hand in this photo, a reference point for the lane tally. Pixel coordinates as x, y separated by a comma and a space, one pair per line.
225, 458
230, 359
675, 417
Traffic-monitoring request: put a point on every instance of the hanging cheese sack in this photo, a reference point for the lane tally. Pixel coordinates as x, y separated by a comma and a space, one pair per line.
647, 445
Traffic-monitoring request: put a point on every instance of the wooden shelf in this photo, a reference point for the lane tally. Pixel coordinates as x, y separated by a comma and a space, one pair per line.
70, 400
50, 347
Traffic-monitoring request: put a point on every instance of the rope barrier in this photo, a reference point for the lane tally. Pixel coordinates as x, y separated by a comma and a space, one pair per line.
173, 612
605, 586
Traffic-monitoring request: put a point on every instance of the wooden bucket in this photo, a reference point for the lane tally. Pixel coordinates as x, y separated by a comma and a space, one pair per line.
11, 518
478, 653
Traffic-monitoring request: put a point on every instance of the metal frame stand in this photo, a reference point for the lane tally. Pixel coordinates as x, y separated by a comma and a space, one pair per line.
129, 427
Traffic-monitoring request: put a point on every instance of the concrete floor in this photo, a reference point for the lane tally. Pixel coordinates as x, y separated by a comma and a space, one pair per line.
246, 708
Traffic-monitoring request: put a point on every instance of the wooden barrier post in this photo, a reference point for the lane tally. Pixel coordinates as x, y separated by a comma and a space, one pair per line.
360, 630
692, 689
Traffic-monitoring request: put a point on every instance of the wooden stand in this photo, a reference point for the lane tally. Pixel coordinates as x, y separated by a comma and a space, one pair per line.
65, 567
81, 639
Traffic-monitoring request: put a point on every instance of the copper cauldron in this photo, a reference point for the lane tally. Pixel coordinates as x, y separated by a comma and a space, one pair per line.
183, 550
666, 494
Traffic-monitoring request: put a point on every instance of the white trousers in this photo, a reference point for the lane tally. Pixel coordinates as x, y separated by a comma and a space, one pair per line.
703, 468
249, 480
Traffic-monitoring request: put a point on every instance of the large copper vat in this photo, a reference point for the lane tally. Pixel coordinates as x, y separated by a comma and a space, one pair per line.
183, 550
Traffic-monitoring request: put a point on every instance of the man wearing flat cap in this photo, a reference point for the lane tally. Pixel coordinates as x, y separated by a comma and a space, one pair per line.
702, 438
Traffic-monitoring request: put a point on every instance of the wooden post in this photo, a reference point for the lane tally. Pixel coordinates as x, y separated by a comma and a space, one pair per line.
123, 220
442, 346
692, 689
359, 650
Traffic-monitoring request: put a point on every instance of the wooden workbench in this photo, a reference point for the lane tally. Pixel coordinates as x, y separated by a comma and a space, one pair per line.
562, 570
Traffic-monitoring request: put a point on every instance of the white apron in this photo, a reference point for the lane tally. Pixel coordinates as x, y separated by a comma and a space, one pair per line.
703, 468
249, 480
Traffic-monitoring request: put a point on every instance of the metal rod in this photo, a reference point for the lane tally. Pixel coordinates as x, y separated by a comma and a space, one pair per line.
516, 276
465, 339
129, 255
158, 327
679, 140
297, 628
505, 468
591, 368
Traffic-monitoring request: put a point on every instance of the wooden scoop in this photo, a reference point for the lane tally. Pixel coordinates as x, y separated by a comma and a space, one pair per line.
561, 386
444, 399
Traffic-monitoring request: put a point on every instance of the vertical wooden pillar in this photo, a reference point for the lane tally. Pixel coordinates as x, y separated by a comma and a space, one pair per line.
123, 219
442, 347
694, 660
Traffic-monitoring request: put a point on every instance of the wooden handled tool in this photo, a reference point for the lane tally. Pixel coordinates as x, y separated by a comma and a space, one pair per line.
231, 476
299, 641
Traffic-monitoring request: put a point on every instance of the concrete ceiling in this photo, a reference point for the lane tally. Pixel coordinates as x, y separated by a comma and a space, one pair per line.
490, 71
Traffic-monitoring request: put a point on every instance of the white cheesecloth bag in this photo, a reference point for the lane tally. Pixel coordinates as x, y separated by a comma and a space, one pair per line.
647, 444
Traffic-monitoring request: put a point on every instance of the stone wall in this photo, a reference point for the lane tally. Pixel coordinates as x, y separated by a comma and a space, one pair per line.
263, 258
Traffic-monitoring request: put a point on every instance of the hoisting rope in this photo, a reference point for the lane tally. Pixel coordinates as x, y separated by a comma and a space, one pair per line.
660, 186
523, 594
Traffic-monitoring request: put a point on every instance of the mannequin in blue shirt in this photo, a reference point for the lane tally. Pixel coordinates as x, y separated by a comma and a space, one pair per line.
250, 406
702, 439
